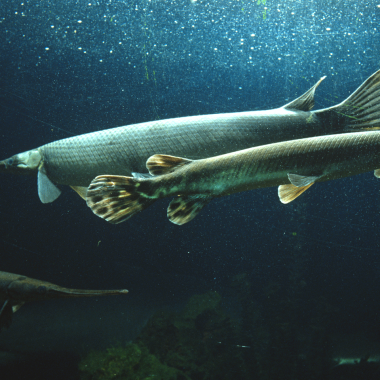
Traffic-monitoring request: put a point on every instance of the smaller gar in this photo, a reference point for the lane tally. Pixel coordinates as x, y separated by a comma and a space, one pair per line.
292, 165
16, 289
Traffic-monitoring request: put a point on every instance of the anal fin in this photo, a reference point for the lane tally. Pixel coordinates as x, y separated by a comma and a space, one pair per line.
289, 192
183, 209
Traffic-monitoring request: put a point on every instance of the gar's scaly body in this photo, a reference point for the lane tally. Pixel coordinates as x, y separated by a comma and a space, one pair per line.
77, 160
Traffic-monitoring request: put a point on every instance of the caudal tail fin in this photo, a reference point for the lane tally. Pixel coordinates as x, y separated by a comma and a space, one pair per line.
360, 111
116, 198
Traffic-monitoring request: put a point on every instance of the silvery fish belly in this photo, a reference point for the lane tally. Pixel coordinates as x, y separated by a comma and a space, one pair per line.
77, 160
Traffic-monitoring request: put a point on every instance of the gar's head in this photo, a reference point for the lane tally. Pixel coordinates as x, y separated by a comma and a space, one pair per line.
22, 163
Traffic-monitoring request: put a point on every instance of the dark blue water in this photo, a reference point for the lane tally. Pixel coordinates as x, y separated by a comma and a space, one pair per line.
71, 67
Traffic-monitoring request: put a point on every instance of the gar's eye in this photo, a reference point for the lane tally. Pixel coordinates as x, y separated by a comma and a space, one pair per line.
41, 289
10, 161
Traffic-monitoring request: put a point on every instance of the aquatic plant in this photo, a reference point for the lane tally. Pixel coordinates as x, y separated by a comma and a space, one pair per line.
130, 362
200, 341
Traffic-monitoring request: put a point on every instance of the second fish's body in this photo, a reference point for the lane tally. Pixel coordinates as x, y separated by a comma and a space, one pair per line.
292, 165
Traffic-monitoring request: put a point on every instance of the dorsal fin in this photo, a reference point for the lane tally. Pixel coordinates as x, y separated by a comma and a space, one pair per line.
306, 101
164, 164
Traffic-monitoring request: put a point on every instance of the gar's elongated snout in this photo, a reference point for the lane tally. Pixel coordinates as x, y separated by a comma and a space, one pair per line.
16, 289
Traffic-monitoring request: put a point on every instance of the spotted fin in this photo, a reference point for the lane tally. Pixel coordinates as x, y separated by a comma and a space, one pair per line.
47, 191
116, 198
183, 209
306, 101
164, 164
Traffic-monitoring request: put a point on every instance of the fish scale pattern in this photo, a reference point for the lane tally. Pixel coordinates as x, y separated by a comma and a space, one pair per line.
120, 151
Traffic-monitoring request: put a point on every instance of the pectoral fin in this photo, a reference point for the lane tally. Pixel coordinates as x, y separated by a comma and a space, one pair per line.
6, 315
377, 173
185, 208
47, 191
17, 307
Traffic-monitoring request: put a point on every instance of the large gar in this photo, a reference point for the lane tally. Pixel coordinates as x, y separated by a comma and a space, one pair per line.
77, 160
292, 165
16, 289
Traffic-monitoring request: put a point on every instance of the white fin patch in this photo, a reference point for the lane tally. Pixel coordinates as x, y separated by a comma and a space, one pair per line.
47, 191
